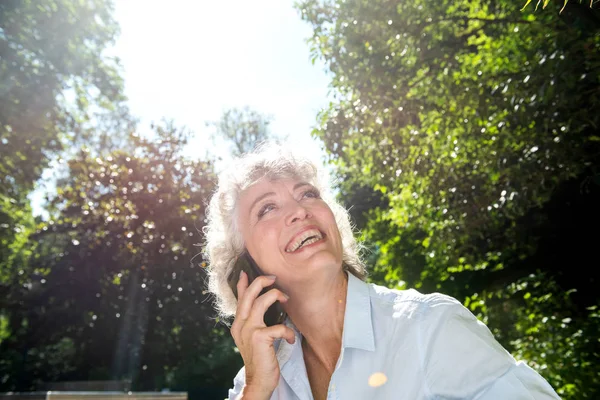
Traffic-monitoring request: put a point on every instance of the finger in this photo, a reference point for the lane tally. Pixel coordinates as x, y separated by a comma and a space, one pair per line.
262, 304
235, 329
271, 333
242, 284
251, 293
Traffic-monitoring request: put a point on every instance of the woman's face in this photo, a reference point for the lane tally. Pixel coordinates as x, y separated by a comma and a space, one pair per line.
289, 230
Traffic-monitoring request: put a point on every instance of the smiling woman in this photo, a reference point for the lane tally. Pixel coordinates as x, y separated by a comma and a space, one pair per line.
283, 262
224, 232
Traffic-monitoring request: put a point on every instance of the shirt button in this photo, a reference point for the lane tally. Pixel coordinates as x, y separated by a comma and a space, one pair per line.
333, 387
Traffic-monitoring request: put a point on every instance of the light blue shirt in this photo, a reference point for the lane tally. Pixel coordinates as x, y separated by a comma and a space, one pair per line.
407, 345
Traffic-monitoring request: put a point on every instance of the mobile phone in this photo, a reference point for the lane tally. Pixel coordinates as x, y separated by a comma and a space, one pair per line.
275, 314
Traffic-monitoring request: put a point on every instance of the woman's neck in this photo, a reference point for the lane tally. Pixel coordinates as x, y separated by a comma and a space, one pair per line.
318, 313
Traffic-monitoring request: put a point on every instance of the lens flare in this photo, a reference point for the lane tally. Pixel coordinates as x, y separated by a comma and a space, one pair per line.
377, 379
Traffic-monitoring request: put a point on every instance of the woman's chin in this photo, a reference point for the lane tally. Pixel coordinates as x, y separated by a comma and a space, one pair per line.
317, 260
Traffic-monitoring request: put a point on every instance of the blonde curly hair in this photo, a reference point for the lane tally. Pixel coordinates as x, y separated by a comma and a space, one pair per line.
223, 240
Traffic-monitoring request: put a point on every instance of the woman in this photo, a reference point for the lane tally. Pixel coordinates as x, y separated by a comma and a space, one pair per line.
337, 337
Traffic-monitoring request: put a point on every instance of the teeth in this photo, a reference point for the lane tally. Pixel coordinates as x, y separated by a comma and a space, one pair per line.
313, 234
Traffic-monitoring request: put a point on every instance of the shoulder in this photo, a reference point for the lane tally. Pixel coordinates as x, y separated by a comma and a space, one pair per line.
414, 305
442, 322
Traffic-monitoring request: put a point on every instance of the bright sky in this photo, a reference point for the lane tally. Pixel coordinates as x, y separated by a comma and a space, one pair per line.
190, 60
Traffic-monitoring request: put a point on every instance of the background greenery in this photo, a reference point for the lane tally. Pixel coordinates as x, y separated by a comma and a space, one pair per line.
464, 136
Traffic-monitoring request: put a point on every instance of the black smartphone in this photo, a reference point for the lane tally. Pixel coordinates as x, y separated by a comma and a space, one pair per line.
275, 314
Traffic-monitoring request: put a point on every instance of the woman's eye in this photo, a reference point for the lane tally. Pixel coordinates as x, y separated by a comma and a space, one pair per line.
311, 193
265, 209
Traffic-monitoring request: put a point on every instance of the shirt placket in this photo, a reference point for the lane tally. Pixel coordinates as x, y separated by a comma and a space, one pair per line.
293, 370
333, 389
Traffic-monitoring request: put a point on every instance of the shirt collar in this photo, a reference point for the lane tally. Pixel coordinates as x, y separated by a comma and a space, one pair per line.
358, 325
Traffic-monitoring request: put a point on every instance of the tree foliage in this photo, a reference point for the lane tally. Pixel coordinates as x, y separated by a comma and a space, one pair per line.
55, 79
110, 287
57, 88
544, 4
467, 122
114, 289
242, 129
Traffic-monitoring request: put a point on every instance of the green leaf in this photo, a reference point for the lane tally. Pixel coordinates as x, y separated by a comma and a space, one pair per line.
526, 4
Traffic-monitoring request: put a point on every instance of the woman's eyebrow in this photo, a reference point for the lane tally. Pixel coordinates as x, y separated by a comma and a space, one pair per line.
259, 198
300, 184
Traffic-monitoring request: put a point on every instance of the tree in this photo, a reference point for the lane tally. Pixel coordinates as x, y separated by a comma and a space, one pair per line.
242, 129
57, 88
56, 79
115, 284
109, 286
463, 121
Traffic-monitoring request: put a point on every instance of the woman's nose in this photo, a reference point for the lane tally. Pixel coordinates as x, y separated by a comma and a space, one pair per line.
297, 213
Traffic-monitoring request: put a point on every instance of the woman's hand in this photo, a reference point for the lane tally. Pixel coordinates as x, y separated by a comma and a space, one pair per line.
254, 339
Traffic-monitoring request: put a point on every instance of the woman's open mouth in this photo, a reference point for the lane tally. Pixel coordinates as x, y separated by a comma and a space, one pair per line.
304, 239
